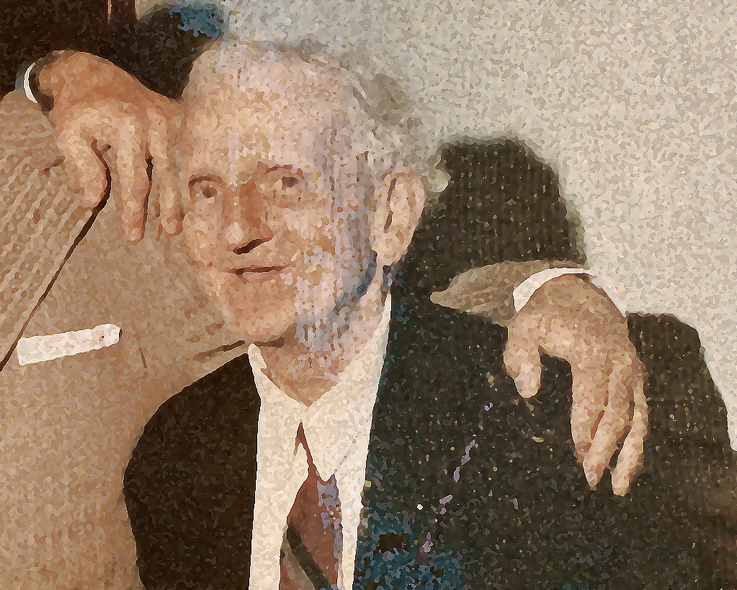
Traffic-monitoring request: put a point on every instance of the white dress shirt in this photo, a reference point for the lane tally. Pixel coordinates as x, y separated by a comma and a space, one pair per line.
524, 291
337, 428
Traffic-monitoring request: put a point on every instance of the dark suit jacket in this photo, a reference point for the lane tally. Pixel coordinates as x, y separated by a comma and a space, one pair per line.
520, 514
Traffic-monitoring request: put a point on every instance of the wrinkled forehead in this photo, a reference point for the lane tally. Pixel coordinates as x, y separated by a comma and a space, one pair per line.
274, 113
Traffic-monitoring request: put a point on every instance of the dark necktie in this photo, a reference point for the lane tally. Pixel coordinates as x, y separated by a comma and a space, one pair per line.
310, 555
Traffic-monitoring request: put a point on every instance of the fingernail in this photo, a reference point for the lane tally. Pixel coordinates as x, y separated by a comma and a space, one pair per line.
135, 234
170, 225
590, 475
526, 386
619, 486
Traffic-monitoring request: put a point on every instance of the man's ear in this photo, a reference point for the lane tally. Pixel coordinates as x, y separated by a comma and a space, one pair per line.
400, 199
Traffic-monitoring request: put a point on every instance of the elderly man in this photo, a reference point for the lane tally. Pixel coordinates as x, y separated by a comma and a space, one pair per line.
386, 421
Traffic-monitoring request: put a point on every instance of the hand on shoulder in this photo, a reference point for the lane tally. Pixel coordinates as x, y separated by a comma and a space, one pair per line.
570, 318
111, 126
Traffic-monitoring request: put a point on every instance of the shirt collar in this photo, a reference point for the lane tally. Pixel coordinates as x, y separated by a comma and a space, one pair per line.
335, 420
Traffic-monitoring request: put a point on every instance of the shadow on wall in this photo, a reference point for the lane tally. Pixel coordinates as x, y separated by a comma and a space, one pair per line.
32, 28
496, 187
159, 49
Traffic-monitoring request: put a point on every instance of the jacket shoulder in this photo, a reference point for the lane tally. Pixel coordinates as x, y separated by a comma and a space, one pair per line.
189, 486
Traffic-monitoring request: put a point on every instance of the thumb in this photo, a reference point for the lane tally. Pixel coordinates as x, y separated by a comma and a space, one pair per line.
522, 358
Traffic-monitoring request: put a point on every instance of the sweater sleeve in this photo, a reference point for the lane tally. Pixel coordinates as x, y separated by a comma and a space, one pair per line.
41, 223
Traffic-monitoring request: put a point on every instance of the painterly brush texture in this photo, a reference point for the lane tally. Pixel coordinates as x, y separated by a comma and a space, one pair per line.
320, 374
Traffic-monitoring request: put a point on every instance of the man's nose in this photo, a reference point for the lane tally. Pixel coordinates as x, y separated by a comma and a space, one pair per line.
246, 219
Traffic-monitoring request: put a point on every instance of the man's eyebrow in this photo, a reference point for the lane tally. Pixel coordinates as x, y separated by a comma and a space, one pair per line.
296, 170
203, 178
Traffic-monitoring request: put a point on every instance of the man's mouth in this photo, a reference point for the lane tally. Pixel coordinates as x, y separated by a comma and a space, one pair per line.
251, 273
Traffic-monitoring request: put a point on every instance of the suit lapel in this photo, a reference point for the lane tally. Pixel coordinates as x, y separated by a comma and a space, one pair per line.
189, 486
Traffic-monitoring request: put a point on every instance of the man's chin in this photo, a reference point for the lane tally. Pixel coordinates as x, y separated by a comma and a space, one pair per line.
263, 330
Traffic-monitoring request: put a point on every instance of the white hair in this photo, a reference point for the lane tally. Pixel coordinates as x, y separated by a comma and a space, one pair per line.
384, 129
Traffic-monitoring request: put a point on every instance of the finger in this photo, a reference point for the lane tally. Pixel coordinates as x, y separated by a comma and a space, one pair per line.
164, 175
631, 456
86, 162
613, 423
131, 169
590, 394
522, 355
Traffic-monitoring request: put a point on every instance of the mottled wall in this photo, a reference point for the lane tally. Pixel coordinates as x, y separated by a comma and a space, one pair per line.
632, 103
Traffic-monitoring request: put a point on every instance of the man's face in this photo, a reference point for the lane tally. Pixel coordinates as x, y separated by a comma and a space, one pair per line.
274, 219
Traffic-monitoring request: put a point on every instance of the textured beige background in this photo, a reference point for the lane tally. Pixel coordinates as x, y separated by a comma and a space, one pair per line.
632, 103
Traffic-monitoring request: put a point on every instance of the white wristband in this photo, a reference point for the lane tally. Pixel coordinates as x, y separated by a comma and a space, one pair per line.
524, 291
27, 83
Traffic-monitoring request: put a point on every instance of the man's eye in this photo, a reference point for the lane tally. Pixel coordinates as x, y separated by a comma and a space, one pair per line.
283, 184
288, 182
204, 191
